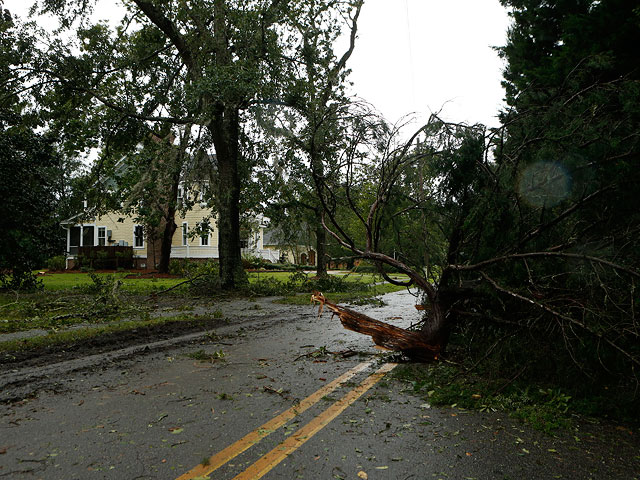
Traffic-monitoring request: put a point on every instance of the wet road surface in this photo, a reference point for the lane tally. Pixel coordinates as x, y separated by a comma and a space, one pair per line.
301, 414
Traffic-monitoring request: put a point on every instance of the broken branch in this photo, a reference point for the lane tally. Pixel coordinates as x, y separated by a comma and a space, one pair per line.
390, 337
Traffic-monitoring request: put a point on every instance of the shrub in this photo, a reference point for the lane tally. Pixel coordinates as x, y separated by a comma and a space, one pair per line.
57, 263
176, 267
300, 282
20, 279
254, 262
206, 277
365, 267
334, 283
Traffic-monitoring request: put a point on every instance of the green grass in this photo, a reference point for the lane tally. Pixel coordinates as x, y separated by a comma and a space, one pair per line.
99, 298
284, 276
257, 276
70, 337
443, 384
343, 297
543, 407
76, 281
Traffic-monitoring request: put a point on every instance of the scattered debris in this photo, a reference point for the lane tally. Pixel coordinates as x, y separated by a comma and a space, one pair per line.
322, 351
279, 391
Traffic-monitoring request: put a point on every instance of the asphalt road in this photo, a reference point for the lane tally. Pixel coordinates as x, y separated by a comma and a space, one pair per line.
272, 408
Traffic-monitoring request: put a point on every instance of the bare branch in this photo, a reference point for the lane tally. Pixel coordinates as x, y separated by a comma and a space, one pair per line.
515, 256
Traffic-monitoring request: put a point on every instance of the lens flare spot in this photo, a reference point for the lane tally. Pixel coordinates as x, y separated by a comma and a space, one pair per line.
544, 184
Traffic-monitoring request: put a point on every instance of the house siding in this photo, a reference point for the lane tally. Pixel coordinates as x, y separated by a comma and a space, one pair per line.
122, 229
147, 256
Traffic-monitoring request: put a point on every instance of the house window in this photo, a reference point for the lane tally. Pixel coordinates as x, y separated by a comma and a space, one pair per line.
203, 194
87, 236
204, 239
185, 234
102, 236
138, 236
180, 196
74, 237
204, 234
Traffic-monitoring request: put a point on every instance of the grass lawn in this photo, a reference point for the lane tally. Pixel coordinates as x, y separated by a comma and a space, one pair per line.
284, 276
344, 297
77, 280
70, 337
71, 281
72, 298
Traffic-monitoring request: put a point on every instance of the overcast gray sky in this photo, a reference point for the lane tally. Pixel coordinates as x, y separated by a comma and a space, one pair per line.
423, 55
418, 56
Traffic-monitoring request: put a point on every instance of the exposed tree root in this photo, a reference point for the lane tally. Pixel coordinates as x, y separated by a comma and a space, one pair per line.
412, 344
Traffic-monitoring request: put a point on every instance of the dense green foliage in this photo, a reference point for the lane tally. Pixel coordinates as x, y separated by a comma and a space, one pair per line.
529, 230
30, 168
564, 206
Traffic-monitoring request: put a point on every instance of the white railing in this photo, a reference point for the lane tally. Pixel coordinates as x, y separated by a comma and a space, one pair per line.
272, 256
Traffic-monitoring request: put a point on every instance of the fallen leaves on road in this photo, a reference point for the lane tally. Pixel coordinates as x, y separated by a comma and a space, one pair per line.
279, 391
363, 475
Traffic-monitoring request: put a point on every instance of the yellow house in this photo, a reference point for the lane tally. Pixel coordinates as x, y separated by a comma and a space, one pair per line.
116, 229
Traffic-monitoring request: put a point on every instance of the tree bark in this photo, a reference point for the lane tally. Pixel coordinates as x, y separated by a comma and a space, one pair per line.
416, 345
167, 239
321, 246
224, 131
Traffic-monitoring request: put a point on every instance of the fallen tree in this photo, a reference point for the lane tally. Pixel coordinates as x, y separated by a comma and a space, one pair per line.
460, 216
411, 343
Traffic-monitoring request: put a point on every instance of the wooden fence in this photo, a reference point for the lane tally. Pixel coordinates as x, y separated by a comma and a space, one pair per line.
105, 257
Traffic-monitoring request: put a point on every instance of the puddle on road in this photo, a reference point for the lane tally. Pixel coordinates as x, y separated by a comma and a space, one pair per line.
399, 309
327, 331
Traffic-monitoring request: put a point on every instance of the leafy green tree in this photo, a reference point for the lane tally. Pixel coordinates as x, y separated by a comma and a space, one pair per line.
314, 122
568, 164
30, 167
204, 63
537, 220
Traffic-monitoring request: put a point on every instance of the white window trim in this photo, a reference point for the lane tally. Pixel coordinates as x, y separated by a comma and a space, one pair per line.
134, 236
97, 240
204, 187
180, 199
185, 234
208, 235
81, 240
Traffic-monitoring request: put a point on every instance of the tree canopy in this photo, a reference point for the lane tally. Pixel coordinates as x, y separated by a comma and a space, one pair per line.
32, 171
530, 227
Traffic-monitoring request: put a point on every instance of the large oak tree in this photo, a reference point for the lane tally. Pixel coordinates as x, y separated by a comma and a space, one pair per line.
198, 63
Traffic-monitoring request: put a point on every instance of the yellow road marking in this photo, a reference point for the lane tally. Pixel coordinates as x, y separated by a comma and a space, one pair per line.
275, 456
235, 449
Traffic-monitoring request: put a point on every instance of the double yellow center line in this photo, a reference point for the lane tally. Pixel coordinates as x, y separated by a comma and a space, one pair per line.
279, 453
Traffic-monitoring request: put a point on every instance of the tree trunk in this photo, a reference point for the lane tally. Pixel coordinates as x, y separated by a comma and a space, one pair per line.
321, 245
224, 131
170, 210
167, 238
413, 344
435, 330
